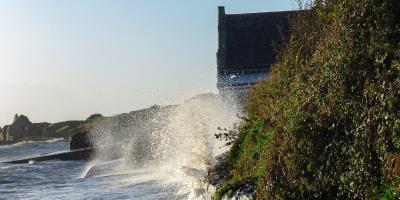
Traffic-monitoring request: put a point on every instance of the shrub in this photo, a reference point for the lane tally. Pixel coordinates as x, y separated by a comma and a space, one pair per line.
324, 123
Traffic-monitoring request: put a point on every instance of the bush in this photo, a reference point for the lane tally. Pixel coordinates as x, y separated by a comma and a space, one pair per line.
324, 123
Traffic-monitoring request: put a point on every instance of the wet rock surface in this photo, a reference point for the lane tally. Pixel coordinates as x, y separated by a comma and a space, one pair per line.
80, 140
217, 178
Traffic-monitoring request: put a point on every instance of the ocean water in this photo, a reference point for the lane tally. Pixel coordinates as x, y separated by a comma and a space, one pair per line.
165, 156
63, 179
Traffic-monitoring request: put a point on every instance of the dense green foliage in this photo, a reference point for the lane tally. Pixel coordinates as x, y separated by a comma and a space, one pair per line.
326, 123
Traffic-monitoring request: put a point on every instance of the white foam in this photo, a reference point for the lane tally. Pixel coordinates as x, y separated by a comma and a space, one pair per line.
54, 140
15, 145
178, 150
87, 168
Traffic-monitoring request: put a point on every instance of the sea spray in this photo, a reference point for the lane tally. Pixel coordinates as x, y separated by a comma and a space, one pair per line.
87, 168
176, 141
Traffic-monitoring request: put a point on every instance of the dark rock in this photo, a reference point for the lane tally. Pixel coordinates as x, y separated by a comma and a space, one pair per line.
20, 128
78, 154
80, 140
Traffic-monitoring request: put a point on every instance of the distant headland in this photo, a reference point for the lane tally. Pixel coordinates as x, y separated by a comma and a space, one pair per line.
22, 129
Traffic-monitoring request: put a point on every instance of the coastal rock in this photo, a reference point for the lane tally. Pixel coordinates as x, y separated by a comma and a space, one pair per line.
241, 194
20, 128
217, 178
80, 140
211, 184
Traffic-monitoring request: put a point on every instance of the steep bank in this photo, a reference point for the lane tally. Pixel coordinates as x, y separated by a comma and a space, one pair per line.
325, 124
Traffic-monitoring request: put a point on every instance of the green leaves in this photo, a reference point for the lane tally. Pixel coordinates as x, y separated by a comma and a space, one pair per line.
391, 193
325, 122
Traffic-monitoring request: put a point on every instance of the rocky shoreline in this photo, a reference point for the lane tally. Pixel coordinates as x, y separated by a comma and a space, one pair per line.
217, 179
210, 189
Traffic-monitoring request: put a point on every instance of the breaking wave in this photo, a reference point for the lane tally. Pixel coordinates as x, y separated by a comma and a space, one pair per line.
175, 144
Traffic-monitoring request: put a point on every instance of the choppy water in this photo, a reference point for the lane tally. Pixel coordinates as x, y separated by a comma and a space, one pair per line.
165, 155
63, 179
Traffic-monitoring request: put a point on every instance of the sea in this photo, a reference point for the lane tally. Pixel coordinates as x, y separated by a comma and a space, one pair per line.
183, 149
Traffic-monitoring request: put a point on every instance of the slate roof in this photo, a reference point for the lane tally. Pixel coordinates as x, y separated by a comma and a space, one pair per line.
248, 42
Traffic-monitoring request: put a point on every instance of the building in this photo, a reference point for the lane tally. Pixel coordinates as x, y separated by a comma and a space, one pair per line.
247, 47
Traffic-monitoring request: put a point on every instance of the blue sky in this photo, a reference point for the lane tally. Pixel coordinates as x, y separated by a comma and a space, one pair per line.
67, 59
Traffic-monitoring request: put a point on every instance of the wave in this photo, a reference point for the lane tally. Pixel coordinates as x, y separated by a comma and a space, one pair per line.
178, 141
30, 141
87, 169
163, 149
54, 140
15, 144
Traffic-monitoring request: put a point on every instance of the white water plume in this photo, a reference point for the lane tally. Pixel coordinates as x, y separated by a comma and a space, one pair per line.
87, 168
178, 141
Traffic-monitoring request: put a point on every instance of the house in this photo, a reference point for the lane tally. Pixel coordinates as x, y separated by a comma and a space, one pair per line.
247, 46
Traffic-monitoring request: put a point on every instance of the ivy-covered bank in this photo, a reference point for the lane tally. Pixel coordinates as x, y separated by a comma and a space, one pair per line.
326, 123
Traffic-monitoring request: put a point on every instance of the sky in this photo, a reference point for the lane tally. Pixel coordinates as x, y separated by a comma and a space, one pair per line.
67, 59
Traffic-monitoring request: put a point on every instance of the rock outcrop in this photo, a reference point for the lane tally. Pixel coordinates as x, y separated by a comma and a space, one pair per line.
217, 178
20, 128
23, 129
80, 140
112, 134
